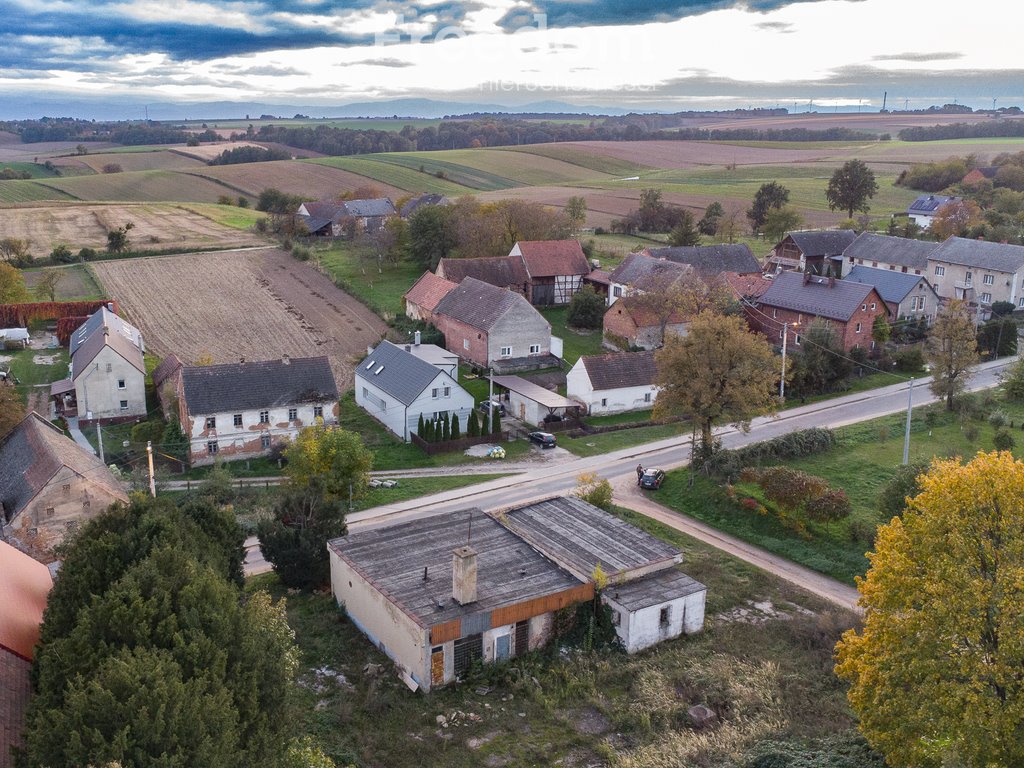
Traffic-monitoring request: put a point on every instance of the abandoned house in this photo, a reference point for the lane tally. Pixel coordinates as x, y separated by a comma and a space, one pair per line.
555, 269
442, 592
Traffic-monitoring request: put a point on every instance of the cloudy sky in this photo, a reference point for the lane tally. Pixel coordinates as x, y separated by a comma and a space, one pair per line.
630, 53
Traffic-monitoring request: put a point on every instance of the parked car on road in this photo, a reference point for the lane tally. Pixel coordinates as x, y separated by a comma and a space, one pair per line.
494, 404
652, 478
543, 439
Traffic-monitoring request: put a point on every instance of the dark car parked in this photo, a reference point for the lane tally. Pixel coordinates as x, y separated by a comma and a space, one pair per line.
543, 439
494, 404
652, 478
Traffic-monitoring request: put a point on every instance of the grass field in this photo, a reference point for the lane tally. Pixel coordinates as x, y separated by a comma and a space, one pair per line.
156, 160
596, 707
38, 170
578, 155
379, 286
78, 282
395, 175
226, 215
24, 191
575, 343
141, 186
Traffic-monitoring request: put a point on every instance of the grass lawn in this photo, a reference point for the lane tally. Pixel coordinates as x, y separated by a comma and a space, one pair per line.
588, 708
227, 215
864, 460
380, 287
592, 445
34, 378
575, 343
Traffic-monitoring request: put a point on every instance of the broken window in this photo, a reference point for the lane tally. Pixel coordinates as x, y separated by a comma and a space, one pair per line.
211, 422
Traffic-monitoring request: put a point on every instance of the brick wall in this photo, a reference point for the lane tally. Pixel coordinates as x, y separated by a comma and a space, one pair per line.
769, 321
14, 694
456, 332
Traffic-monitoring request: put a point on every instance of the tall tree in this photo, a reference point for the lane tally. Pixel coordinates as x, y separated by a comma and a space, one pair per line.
431, 235
951, 350
576, 210
48, 283
331, 456
955, 218
851, 187
768, 196
12, 285
719, 371
779, 221
15, 251
935, 672
708, 225
684, 233
819, 364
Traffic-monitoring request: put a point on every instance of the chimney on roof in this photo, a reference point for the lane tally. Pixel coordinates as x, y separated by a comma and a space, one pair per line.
408, 348
464, 575
807, 277
416, 338
106, 331
110, 306
831, 281
286, 360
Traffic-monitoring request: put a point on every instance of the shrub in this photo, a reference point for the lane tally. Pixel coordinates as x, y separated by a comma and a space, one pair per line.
594, 490
586, 310
791, 488
1003, 441
473, 425
728, 463
909, 360
971, 432
88, 254
998, 419
62, 255
861, 532
301, 252
892, 499
832, 506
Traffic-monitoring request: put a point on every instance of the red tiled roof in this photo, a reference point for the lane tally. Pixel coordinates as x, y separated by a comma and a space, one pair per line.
23, 590
167, 368
746, 286
549, 258
429, 290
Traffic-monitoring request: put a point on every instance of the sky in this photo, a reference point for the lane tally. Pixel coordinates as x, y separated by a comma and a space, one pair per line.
644, 54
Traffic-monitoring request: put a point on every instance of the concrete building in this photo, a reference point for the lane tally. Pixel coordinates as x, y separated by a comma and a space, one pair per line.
494, 327
908, 296
24, 588
241, 410
49, 485
438, 593
978, 272
818, 251
107, 382
795, 300
397, 388
896, 254
924, 209
530, 402
613, 383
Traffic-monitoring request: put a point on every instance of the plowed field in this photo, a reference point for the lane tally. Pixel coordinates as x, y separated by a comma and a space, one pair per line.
259, 304
306, 179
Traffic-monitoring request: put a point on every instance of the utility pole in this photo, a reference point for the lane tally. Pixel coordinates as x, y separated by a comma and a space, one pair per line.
99, 441
906, 434
490, 391
782, 381
153, 481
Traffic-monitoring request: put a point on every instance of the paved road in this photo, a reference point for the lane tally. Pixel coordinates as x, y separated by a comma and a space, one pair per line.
619, 467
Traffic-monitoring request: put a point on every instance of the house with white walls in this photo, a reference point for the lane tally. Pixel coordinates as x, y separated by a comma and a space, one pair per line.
613, 383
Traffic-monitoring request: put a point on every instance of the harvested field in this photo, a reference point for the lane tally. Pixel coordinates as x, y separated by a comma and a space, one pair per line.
691, 154
869, 122
296, 178
157, 227
206, 152
373, 168
161, 160
259, 305
46, 149
142, 186
497, 168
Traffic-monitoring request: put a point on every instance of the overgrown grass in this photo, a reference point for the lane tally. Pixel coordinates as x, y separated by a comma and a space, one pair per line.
586, 708
575, 343
32, 374
226, 215
378, 285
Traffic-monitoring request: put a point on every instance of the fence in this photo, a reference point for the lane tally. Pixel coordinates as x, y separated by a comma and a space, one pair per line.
461, 444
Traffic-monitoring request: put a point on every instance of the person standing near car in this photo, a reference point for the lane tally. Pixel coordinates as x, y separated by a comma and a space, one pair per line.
639, 473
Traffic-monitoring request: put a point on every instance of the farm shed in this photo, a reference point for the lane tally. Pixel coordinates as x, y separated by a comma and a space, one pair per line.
530, 402
613, 383
556, 269
629, 324
26, 586
500, 271
426, 292
819, 251
14, 338
241, 410
397, 388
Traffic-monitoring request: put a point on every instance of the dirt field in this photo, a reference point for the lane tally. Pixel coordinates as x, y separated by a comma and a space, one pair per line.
131, 161
307, 179
26, 153
157, 227
259, 305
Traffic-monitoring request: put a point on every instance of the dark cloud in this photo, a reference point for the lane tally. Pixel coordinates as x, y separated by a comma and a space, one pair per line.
920, 57
592, 13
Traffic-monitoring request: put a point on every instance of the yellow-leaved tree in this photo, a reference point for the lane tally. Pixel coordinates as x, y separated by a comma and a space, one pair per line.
937, 671
333, 457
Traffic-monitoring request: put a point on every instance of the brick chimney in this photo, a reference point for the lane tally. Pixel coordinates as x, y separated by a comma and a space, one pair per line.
464, 575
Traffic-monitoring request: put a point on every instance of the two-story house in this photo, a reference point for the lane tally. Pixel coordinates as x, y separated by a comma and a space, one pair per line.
241, 410
908, 297
896, 254
926, 207
398, 387
555, 268
818, 251
107, 381
978, 272
638, 273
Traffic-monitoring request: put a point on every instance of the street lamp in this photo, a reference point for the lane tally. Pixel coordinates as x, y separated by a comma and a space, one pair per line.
782, 381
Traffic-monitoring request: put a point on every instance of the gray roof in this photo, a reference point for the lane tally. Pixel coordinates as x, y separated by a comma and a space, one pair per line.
578, 536
981, 254
711, 259
413, 205
929, 204
892, 286
397, 372
263, 384
823, 242
637, 269
33, 452
501, 271
392, 559
86, 352
479, 304
659, 587
820, 296
380, 206
96, 322
620, 369
912, 254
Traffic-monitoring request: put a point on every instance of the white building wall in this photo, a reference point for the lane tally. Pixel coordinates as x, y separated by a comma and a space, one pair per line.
97, 392
382, 406
605, 401
577, 384
387, 627
524, 409
643, 628
248, 439
403, 420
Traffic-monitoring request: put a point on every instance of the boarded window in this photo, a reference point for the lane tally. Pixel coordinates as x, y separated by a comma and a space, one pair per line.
522, 644
437, 665
663, 618
467, 650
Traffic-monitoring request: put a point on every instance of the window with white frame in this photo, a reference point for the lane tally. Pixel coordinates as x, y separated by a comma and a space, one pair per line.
797, 340
647, 397
211, 422
986, 298
121, 384
864, 307
237, 419
939, 271
617, 291
293, 414
874, 305
988, 279
535, 349
264, 417
1021, 302
212, 448
465, 343
264, 442
318, 411
124, 405
435, 393
447, 392
858, 328
506, 351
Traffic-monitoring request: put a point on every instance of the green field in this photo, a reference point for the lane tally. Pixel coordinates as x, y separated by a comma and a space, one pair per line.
227, 215
140, 186
397, 175
24, 191
38, 170
574, 155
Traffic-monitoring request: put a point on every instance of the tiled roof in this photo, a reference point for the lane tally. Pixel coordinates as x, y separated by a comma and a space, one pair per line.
501, 271
325, 210
429, 290
637, 269
95, 343
263, 384
892, 286
413, 205
167, 368
99, 319
620, 369
747, 286
599, 276
711, 259
550, 258
929, 204
397, 372
24, 586
823, 242
393, 559
478, 304
380, 206
981, 254
820, 296
642, 316
912, 254
33, 453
